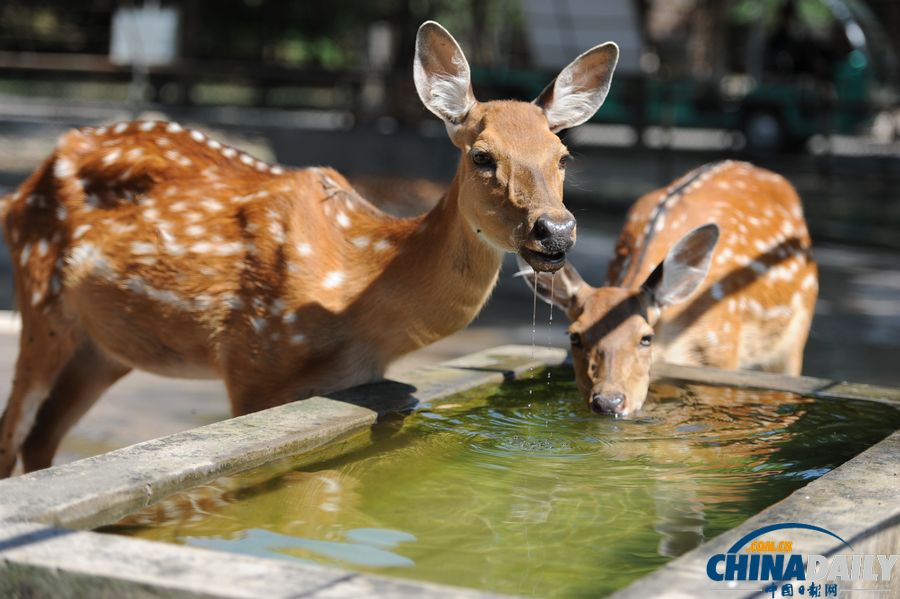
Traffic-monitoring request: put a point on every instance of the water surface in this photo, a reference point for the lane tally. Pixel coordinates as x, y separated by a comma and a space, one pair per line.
520, 489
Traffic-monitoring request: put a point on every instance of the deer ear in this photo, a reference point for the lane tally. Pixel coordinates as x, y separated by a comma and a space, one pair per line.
441, 74
560, 289
684, 268
580, 88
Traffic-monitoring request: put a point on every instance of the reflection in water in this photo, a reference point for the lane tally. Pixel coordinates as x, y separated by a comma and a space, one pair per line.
530, 493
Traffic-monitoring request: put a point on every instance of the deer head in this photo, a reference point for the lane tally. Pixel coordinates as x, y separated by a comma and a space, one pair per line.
512, 162
611, 328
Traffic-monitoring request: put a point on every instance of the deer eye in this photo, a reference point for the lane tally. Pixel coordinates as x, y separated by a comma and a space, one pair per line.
575, 338
646, 340
564, 160
482, 158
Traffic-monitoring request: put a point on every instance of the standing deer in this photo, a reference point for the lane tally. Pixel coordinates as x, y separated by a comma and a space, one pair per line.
147, 245
751, 296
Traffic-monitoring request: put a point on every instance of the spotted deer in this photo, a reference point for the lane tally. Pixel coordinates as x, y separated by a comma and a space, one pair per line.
713, 270
147, 245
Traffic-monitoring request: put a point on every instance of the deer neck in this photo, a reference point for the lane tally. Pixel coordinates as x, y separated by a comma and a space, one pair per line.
433, 285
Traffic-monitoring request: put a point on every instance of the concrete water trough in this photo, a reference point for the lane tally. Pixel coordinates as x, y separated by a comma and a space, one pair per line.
48, 547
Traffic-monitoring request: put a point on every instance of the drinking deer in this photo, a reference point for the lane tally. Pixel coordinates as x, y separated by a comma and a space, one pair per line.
714, 270
147, 245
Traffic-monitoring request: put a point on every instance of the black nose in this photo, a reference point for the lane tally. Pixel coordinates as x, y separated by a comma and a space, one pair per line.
555, 235
607, 404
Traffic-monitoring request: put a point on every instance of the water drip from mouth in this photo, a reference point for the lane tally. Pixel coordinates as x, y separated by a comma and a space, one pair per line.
550, 321
533, 326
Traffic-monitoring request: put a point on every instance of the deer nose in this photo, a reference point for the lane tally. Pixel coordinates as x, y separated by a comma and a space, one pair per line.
554, 234
611, 403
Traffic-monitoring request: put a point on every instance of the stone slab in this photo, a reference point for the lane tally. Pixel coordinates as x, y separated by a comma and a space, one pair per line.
803, 385
102, 489
38, 561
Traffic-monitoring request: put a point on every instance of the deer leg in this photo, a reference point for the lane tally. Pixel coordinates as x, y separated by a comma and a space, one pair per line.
84, 378
246, 398
37, 367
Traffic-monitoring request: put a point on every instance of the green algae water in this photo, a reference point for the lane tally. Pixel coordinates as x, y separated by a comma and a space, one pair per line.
520, 489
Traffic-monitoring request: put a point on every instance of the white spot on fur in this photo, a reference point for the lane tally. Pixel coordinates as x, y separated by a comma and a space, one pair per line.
234, 302
809, 281
258, 323
342, 220
174, 128
229, 249
229, 152
787, 228
277, 170
147, 125
248, 160
297, 339
211, 205
166, 296
724, 256
195, 230
26, 253
755, 307
382, 245
304, 249
120, 128
85, 255
173, 249
42, 248
660, 224
63, 168
333, 279
112, 157
361, 242
80, 231
197, 136
202, 247
151, 214
142, 248
277, 307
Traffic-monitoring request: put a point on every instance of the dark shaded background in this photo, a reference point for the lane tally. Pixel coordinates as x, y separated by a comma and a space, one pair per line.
808, 88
